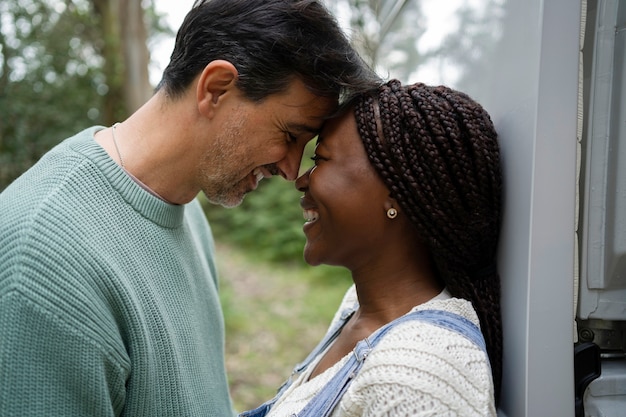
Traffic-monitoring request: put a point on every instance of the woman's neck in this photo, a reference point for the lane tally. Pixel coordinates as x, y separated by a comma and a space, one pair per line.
389, 295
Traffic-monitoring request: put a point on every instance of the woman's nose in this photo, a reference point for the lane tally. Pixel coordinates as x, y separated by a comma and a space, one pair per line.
302, 183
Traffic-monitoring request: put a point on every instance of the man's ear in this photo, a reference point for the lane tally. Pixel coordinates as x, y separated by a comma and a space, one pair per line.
216, 79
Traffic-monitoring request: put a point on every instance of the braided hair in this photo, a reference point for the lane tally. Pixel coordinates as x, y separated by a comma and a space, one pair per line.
436, 150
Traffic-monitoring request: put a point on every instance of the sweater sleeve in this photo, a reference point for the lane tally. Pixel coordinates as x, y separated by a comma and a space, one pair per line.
60, 353
49, 367
421, 370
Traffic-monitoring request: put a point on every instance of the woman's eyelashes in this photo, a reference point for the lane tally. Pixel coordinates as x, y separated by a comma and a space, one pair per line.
316, 158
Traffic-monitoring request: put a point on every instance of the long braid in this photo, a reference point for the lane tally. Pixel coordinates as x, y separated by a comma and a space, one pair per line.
437, 152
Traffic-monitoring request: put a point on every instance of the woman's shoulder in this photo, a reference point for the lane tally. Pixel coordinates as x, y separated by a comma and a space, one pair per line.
449, 304
429, 338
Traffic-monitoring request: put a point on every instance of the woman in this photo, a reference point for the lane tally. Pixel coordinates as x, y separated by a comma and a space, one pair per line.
405, 193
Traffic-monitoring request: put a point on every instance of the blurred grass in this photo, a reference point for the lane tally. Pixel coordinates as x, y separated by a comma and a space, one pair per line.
275, 313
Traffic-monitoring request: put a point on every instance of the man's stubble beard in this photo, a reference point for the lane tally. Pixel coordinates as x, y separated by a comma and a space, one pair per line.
221, 180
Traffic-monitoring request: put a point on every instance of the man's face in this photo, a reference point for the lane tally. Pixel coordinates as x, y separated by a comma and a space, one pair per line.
258, 140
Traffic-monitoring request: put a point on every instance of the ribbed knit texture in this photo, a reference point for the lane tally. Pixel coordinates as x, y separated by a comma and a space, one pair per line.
108, 295
417, 370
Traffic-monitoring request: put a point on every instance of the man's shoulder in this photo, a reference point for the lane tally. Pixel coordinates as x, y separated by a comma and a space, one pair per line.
50, 169
48, 177
40, 209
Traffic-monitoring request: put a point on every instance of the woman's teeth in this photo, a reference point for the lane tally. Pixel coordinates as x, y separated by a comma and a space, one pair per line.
310, 216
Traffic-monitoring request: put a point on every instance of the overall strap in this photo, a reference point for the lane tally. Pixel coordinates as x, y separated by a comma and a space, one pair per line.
326, 400
444, 319
331, 335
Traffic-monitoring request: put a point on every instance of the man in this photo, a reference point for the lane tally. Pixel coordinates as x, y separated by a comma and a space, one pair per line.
108, 288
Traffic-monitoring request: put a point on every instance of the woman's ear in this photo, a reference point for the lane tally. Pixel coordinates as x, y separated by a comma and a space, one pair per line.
216, 79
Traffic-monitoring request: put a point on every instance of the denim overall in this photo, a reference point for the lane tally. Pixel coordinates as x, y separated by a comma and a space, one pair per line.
325, 401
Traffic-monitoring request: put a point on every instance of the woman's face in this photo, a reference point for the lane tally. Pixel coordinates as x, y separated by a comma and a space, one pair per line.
344, 199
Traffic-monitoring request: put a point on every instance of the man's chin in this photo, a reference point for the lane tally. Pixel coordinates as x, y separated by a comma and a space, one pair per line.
228, 201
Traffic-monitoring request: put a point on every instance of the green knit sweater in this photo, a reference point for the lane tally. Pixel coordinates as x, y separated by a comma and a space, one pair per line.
108, 296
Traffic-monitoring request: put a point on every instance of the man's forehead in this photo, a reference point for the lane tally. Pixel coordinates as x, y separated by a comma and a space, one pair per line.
298, 93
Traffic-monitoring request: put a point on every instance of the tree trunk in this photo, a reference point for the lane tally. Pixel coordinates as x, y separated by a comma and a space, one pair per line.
137, 86
126, 56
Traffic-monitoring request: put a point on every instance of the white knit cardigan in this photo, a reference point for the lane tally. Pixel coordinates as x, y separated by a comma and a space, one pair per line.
417, 369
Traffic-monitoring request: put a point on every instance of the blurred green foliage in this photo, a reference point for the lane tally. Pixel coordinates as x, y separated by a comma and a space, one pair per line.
51, 85
52, 80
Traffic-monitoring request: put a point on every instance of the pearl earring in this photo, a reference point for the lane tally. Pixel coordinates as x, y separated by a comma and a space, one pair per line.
392, 213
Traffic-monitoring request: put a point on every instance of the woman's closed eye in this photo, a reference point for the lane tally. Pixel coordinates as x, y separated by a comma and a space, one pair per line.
315, 158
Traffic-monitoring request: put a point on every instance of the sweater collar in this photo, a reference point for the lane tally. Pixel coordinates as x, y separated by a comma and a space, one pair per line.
148, 205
